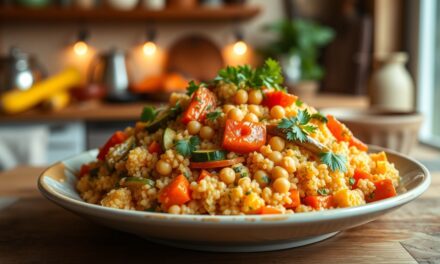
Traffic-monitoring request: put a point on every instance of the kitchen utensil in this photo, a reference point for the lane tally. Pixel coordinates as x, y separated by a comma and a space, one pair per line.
110, 70
18, 101
240, 233
183, 51
19, 70
123, 4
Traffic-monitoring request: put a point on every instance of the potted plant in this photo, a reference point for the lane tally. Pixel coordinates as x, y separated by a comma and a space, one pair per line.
297, 47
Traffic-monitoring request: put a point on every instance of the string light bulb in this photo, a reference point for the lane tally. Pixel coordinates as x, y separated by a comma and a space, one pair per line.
80, 47
149, 46
239, 47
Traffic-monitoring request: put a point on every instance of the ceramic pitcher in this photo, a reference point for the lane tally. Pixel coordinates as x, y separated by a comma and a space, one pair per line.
391, 86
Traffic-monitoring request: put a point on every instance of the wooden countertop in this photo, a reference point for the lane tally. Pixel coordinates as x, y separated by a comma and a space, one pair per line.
35, 230
95, 111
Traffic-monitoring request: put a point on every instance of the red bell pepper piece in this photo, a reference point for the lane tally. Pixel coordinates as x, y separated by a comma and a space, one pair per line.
198, 107
176, 192
296, 201
384, 189
243, 137
273, 98
154, 147
319, 202
117, 138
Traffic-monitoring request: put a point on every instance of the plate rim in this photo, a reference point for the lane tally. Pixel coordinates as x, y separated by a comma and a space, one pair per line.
297, 218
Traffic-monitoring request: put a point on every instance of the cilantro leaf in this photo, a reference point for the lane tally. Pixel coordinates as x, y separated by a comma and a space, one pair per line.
298, 102
320, 117
303, 117
334, 161
297, 134
351, 181
212, 116
297, 128
323, 191
187, 146
192, 87
148, 114
287, 122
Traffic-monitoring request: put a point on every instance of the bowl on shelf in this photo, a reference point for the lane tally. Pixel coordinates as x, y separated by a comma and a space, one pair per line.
389, 129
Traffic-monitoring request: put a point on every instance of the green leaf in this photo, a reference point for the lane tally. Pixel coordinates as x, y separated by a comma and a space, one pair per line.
192, 87
336, 162
320, 117
298, 134
298, 102
351, 181
309, 129
287, 122
185, 147
148, 114
323, 191
303, 117
212, 116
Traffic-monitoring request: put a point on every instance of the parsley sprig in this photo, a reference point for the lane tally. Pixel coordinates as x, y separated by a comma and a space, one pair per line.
297, 128
320, 117
187, 146
334, 161
269, 76
148, 114
212, 116
192, 87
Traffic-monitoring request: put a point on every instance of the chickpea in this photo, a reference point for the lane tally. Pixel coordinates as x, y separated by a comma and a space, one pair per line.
289, 164
281, 185
236, 114
255, 109
174, 209
277, 112
227, 108
250, 117
277, 143
163, 167
255, 97
279, 172
206, 132
262, 178
241, 97
275, 156
193, 127
227, 175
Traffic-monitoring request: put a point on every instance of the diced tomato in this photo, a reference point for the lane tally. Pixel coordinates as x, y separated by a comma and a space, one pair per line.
154, 147
296, 201
266, 210
358, 174
384, 189
117, 138
203, 174
85, 168
198, 107
177, 192
355, 142
243, 137
273, 98
319, 202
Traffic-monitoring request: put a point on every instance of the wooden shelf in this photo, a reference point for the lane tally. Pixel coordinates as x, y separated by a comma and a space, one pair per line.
96, 111
53, 14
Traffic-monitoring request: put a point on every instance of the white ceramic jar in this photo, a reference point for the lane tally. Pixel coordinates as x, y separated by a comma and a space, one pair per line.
154, 4
391, 86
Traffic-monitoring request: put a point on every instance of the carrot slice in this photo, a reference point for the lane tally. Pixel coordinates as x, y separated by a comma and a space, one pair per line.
154, 147
117, 138
384, 189
177, 192
198, 107
296, 201
243, 137
338, 130
358, 174
265, 210
215, 164
319, 202
355, 142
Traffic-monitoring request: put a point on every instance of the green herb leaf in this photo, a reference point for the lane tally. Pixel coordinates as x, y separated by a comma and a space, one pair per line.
148, 114
192, 87
323, 191
297, 128
334, 161
298, 102
237, 169
351, 181
303, 117
212, 116
185, 147
320, 117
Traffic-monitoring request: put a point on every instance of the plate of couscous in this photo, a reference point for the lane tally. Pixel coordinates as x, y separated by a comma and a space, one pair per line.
235, 164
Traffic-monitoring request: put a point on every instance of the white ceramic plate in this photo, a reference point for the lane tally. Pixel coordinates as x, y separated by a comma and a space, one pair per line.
230, 233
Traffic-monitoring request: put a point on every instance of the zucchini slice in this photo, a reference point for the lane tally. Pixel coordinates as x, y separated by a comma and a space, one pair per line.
137, 182
208, 155
162, 118
168, 138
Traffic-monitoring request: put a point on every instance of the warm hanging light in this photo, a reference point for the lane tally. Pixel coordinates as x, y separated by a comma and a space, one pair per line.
149, 46
80, 47
240, 47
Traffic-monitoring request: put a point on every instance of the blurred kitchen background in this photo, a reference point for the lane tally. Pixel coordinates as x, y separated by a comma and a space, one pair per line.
74, 71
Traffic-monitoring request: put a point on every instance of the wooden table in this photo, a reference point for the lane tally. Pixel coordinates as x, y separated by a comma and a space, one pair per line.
32, 229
